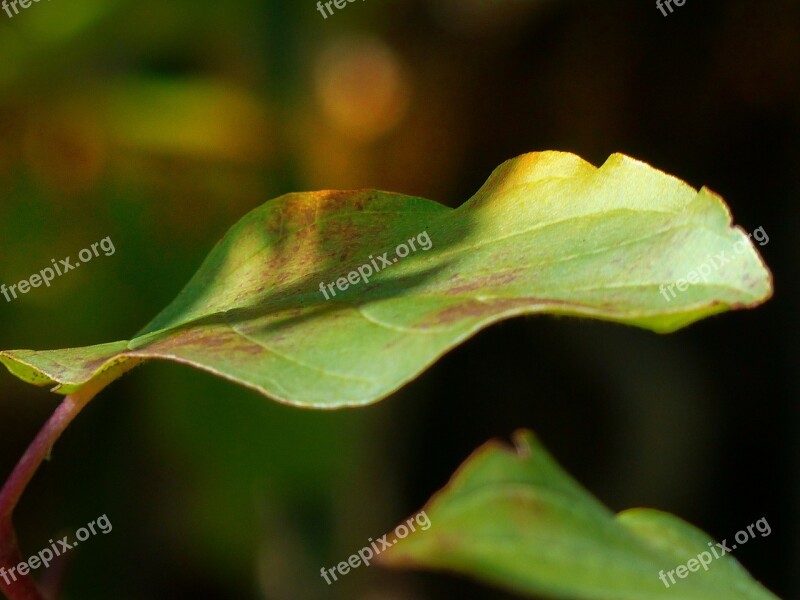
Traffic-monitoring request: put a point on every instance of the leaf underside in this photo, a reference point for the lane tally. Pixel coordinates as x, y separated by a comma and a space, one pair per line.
547, 233
515, 519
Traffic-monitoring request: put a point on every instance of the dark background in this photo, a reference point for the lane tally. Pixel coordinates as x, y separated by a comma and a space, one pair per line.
159, 124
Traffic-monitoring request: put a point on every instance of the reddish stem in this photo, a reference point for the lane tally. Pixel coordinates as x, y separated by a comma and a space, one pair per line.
25, 588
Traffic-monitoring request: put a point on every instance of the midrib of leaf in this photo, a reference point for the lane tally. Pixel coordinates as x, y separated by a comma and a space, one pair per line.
296, 360
295, 301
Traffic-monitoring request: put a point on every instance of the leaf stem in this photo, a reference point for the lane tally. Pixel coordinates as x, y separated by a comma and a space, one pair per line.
23, 587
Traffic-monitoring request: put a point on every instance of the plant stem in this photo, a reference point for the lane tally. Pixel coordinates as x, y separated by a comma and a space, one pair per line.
24, 587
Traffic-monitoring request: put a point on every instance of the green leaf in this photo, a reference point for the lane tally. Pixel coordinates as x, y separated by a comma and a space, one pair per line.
548, 232
517, 520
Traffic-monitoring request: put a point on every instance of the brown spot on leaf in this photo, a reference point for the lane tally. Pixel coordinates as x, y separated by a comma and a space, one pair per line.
494, 280
479, 309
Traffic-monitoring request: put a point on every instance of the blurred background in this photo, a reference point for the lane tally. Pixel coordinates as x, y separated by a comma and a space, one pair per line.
159, 124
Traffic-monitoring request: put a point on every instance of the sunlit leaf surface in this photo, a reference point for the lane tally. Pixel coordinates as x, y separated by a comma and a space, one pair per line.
548, 232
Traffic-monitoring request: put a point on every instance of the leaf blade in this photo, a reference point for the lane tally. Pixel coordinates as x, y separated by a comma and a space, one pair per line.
548, 232
513, 518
